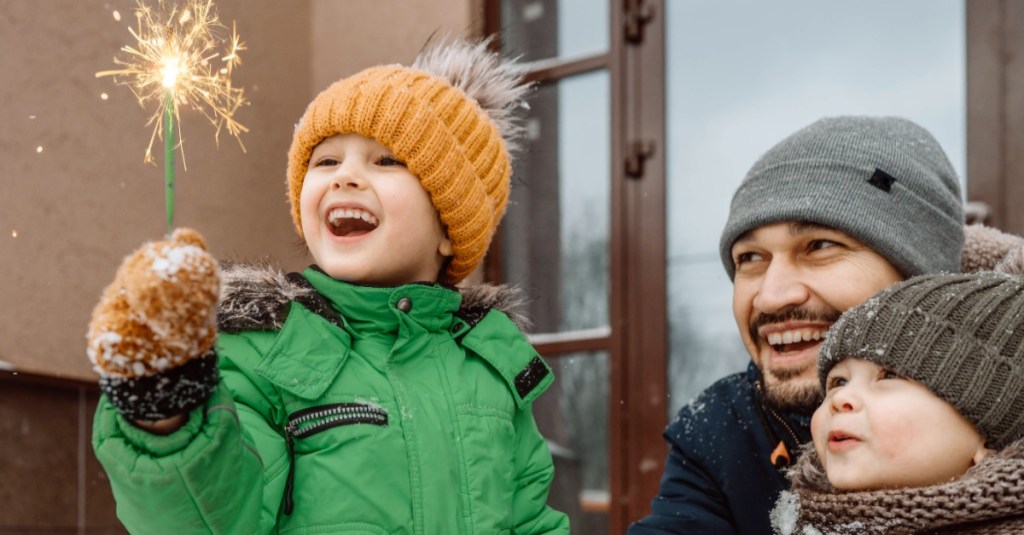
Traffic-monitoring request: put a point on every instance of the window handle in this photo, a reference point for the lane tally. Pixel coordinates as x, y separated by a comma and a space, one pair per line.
638, 14
639, 152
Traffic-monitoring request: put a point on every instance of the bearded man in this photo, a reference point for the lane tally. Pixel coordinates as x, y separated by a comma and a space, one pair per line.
832, 214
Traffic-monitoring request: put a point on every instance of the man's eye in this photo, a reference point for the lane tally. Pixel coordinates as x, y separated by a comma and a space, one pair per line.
388, 161
743, 258
816, 245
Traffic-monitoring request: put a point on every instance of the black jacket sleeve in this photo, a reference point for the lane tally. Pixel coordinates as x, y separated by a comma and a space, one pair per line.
688, 501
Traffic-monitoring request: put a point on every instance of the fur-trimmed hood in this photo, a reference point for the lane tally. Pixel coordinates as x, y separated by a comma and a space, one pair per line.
256, 297
989, 249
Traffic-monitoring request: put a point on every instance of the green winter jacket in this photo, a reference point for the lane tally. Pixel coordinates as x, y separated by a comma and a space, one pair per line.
346, 409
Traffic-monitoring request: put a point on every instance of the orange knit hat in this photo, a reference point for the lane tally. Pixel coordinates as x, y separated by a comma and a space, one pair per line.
445, 120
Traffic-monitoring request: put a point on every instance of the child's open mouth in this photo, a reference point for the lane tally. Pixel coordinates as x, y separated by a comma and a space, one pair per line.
351, 222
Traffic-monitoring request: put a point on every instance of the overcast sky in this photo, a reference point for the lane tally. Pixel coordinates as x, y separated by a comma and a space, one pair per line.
744, 74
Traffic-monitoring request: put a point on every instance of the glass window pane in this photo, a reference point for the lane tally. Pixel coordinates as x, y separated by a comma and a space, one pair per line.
573, 417
541, 29
557, 226
743, 75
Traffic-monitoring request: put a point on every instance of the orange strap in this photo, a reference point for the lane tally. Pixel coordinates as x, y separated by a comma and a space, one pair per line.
780, 452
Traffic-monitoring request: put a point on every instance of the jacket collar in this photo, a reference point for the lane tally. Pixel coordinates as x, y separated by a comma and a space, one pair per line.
257, 297
367, 309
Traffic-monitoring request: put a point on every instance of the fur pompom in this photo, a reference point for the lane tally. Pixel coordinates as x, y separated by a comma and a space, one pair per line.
496, 83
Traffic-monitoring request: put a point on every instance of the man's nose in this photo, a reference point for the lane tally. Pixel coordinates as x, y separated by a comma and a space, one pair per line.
781, 287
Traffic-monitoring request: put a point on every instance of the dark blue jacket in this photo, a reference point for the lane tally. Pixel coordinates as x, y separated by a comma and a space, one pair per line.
724, 469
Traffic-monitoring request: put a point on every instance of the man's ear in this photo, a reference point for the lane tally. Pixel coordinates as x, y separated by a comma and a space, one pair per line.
981, 453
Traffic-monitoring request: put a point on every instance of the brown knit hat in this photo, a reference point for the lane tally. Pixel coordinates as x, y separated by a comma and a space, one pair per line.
448, 117
962, 336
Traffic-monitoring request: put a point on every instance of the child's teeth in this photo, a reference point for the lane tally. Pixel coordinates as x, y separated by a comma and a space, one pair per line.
351, 213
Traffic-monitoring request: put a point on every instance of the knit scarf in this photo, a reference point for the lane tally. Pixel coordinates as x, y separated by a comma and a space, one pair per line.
988, 499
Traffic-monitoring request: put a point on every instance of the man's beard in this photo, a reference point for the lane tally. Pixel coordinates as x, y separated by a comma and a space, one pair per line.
783, 388
784, 391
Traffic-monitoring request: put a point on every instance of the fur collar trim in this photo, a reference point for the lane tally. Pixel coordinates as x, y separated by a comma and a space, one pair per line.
256, 297
989, 249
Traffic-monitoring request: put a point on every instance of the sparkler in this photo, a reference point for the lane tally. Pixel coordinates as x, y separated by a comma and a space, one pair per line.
175, 63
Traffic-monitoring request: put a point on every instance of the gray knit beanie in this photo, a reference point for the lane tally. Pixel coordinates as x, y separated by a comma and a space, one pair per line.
962, 336
883, 180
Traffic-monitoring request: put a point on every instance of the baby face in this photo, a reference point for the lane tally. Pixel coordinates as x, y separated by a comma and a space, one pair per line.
878, 430
366, 218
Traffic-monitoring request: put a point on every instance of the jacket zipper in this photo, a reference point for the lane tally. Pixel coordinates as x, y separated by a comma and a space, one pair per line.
775, 415
308, 422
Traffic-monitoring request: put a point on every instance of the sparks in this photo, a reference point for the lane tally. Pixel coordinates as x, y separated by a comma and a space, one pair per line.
175, 62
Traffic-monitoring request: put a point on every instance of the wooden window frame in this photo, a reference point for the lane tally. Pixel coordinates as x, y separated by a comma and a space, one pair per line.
995, 110
637, 337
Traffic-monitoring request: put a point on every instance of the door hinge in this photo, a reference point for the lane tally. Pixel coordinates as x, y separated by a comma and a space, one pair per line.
638, 14
637, 154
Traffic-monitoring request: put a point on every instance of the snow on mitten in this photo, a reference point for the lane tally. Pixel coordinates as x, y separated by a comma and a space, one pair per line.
152, 333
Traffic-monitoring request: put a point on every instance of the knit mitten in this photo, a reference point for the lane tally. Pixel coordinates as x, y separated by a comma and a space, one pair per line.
152, 333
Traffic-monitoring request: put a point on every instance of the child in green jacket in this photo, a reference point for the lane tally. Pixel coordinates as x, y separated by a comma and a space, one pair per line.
367, 394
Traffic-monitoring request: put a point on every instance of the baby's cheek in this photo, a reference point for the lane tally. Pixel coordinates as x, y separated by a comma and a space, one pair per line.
896, 436
819, 431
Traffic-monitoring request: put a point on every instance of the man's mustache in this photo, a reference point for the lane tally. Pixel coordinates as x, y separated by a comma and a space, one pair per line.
792, 314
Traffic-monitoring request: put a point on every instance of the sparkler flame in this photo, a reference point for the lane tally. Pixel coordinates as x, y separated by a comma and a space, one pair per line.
170, 71
174, 62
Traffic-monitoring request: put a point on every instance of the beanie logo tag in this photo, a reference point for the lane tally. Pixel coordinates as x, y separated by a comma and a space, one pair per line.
882, 180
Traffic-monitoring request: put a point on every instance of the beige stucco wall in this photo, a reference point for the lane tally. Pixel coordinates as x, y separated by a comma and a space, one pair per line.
69, 213
350, 35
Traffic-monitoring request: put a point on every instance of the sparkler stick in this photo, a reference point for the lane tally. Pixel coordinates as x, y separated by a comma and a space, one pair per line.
169, 159
174, 63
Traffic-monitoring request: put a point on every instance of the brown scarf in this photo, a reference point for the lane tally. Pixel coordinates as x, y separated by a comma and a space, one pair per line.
988, 499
